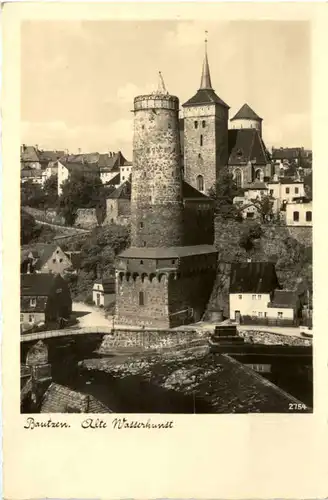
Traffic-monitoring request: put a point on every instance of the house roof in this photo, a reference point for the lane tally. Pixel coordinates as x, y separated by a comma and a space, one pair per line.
122, 192
246, 145
286, 153
30, 154
115, 180
37, 284
253, 277
30, 173
257, 185
246, 113
205, 96
284, 298
167, 252
43, 254
51, 156
79, 166
61, 399
189, 191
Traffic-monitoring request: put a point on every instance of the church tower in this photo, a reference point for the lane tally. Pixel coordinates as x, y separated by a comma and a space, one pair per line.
205, 134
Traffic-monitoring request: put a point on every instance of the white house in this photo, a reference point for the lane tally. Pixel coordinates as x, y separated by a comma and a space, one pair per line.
103, 291
285, 190
299, 214
125, 172
254, 294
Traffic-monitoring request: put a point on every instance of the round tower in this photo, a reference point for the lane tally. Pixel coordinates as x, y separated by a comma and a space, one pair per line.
156, 197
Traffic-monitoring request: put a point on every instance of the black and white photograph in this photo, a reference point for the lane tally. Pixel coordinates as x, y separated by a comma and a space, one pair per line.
166, 217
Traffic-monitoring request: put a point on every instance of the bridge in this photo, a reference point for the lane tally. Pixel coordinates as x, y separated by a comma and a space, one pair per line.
65, 332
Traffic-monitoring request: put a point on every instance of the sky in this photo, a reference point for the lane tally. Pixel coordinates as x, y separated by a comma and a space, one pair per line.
79, 78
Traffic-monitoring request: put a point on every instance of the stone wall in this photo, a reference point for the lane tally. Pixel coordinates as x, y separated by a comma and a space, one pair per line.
86, 218
50, 215
149, 339
154, 312
301, 234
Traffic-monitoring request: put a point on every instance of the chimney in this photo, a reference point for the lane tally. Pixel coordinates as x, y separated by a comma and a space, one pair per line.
79, 151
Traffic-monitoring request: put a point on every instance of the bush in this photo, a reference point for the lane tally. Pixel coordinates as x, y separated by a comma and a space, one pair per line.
89, 300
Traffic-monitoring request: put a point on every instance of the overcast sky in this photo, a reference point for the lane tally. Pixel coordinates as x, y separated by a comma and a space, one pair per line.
78, 79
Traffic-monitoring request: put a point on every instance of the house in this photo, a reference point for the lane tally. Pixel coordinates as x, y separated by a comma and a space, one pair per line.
285, 190
51, 169
45, 298
32, 175
103, 291
66, 168
287, 156
248, 210
50, 258
118, 205
299, 213
255, 296
30, 157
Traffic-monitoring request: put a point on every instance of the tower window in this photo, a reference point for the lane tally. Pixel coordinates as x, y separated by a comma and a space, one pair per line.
203, 123
308, 216
141, 299
141, 225
196, 124
238, 178
200, 183
144, 243
201, 140
199, 155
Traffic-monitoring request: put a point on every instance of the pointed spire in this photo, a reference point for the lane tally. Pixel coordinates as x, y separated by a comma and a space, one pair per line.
161, 84
206, 76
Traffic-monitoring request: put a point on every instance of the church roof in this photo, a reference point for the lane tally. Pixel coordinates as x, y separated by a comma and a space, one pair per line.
205, 96
246, 113
246, 145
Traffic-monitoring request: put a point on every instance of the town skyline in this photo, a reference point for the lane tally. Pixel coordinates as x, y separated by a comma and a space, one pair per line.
60, 111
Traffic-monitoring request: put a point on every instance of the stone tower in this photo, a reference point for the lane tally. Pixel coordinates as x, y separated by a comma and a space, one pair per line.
156, 198
205, 134
160, 281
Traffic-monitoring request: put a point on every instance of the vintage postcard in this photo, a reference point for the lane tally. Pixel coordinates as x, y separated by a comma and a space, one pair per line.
162, 207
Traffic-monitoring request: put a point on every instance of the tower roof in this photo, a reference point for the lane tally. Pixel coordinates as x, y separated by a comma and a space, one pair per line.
246, 113
205, 82
205, 94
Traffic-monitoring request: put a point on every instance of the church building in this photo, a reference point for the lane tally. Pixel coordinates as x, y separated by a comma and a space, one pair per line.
209, 144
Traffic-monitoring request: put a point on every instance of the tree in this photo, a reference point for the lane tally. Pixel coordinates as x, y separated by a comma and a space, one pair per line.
223, 193
264, 206
80, 191
29, 228
32, 195
50, 189
308, 184
249, 235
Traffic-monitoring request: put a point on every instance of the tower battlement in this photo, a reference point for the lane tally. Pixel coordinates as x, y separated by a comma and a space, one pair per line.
156, 100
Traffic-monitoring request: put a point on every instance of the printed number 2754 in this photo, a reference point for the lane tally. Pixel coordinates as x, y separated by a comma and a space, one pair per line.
296, 406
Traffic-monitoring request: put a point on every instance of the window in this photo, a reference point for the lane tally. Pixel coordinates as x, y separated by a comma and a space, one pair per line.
173, 261
296, 216
308, 216
196, 124
259, 297
253, 297
271, 192
265, 315
60, 260
31, 318
21, 318
53, 261
141, 225
200, 183
296, 190
57, 251
141, 299
203, 123
238, 178
250, 215
33, 302
199, 155
260, 315
280, 315
201, 140
144, 243
141, 262
240, 297
287, 190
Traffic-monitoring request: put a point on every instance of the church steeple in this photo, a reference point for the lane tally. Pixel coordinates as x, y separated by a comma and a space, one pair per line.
206, 76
